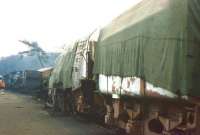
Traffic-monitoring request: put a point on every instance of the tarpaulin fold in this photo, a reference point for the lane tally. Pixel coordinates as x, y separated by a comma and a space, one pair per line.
62, 73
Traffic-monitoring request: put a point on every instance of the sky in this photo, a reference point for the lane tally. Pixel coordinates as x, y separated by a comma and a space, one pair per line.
53, 23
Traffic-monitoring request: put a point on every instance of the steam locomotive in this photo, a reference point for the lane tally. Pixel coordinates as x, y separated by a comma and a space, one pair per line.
142, 74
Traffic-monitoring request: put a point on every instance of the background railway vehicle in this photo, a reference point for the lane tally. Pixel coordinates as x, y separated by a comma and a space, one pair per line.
45, 74
2, 83
142, 75
72, 72
14, 80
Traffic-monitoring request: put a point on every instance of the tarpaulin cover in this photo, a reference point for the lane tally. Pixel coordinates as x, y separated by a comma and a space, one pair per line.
62, 72
158, 40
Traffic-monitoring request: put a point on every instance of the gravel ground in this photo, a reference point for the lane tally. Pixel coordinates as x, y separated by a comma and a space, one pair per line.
21, 115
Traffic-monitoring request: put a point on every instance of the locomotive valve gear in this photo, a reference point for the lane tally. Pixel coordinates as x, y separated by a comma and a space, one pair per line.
191, 121
134, 113
109, 115
129, 126
192, 118
80, 104
169, 123
117, 108
53, 96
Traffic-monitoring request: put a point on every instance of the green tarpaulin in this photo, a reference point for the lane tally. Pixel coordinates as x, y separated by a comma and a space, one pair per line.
158, 40
62, 73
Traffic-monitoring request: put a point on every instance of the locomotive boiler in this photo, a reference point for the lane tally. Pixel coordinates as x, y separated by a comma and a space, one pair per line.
143, 73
